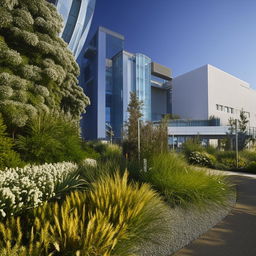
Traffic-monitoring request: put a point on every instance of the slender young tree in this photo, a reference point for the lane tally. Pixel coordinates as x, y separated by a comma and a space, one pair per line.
130, 144
37, 70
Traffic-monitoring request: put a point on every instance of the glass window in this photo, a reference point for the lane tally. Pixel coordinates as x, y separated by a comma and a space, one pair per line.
72, 19
108, 114
231, 110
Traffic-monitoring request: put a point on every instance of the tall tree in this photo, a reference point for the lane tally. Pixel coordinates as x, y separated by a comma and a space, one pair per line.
37, 70
131, 139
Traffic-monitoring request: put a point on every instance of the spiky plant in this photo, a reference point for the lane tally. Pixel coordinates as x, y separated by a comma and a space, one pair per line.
109, 220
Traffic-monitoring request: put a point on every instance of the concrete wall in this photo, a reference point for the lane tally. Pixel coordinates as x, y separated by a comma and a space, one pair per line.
229, 91
189, 97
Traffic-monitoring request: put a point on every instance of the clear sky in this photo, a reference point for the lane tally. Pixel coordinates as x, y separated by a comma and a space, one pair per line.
186, 34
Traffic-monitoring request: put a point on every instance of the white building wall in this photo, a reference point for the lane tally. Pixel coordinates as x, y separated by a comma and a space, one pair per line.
189, 95
196, 94
231, 93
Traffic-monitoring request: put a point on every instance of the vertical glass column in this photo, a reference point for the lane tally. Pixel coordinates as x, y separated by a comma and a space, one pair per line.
143, 84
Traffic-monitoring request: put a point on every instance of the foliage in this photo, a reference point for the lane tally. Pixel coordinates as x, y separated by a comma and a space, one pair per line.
251, 166
231, 163
112, 219
113, 152
249, 155
242, 124
182, 185
37, 70
202, 158
8, 157
51, 138
154, 137
90, 152
192, 145
23, 188
130, 145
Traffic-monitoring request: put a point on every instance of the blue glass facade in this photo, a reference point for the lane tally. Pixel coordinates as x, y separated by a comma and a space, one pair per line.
97, 78
143, 84
110, 75
77, 17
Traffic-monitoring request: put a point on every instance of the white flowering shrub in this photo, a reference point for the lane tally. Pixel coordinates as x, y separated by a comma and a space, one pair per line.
28, 187
38, 57
201, 158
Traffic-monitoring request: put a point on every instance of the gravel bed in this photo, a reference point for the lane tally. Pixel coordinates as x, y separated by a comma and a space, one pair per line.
184, 226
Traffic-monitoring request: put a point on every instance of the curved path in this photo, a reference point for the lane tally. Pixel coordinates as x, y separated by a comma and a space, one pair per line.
235, 235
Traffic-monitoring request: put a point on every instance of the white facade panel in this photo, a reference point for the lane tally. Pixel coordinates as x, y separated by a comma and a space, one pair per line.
209, 91
189, 95
230, 95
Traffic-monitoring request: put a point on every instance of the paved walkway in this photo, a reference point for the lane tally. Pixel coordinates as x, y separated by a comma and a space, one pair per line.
235, 235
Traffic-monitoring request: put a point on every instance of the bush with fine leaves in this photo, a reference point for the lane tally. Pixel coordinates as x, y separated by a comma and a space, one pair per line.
8, 157
51, 138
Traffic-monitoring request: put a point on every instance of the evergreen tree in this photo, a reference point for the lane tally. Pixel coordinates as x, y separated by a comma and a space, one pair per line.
37, 70
130, 145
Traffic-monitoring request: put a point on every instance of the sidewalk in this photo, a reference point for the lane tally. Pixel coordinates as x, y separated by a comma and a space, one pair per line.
235, 235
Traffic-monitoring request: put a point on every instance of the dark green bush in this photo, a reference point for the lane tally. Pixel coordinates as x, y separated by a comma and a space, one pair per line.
251, 167
51, 138
8, 157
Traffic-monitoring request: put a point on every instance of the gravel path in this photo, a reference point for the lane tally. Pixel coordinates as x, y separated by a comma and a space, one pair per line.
184, 226
235, 234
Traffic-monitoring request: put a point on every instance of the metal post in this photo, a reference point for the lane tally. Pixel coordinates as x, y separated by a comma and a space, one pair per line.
236, 143
139, 139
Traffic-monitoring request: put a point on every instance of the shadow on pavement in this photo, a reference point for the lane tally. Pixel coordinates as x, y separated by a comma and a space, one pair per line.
235, 235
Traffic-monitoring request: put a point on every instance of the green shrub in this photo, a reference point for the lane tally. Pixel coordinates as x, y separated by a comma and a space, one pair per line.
225, 154
211, 150
251, 167
8, 157
230, 163
51, 138
248, 155
113, 218
191, 145
202, 158
113, 152
182, 185
90, 152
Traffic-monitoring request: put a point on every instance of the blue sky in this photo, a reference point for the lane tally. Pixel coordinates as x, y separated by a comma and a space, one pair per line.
186, 34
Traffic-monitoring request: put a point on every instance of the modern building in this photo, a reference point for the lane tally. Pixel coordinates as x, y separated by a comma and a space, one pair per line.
110, 74
205, 99
77, 17
210, 92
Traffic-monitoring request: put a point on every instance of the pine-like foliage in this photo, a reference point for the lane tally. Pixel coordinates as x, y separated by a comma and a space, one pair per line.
37, 70
8, 158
